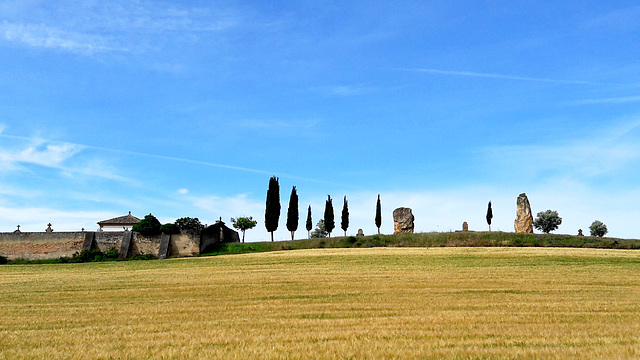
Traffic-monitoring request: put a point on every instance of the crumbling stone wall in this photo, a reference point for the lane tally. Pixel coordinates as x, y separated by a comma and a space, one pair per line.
106, 240
40, 245
53, 245
184, 245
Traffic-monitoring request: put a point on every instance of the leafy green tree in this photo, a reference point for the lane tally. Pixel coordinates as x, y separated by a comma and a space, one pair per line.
598, 228
329, 218
272, 209
378, 214
243, 224
320, 231
189, 224
149, 226
489, 215
292, 213
169, 229
344, 223
309, 222
547, 221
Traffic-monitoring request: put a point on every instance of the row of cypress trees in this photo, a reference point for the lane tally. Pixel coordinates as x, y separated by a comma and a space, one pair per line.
272, 212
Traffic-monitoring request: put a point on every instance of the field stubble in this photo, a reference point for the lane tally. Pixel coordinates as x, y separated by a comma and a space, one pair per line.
329, 303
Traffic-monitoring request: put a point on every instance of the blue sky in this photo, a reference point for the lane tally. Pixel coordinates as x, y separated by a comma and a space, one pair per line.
187, 108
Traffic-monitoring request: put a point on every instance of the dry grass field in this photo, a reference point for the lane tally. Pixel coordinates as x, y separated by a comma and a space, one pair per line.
378, 303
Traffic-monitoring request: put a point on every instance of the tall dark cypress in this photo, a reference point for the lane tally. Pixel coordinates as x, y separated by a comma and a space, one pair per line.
378, 214
272, 209
489, 215
329, 219
344, 224
309, 223
292, 212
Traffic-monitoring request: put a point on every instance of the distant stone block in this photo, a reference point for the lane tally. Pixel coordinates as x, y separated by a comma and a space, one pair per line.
403, 220
524, 219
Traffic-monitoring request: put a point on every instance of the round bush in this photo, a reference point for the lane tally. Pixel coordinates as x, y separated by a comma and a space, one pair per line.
170, 229
598, 228
547, 221
149, 226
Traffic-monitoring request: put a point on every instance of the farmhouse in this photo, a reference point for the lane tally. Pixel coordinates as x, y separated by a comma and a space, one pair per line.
120, 223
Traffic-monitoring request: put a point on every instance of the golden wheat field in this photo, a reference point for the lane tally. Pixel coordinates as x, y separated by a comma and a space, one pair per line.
380, 303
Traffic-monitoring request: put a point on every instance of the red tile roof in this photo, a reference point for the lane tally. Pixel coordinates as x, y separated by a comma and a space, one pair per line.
121, 220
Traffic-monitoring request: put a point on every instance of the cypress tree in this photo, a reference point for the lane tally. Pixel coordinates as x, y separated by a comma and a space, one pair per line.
489, 215
292, 213
272, 210
378, 214
309, 223
344, 224
329, 219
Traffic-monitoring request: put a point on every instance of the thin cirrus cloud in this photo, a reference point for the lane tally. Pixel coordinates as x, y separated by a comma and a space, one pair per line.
498, 76
275, 125
52, 155
342, 90
130, 25
610, 149
42, 36
56, 152
611, 100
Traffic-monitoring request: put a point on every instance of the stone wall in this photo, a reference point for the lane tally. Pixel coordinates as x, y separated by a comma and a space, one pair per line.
53, 245
40, 245
108, 240
184, 245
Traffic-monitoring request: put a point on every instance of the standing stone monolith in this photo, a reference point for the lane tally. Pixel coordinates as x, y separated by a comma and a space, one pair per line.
403, 220
524, 219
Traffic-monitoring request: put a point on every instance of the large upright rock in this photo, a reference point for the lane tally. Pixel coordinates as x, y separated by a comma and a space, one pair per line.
403, 220
524, 219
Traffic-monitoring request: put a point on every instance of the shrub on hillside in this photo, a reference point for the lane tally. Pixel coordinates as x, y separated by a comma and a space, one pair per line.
90, 256
320, 231
149, 226
547, 221
598, 228
3, 260
87, 256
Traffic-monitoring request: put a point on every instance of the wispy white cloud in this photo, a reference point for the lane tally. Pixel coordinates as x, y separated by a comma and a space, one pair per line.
499, 76
608, 150
276, 125
343, 90
138, 25
613, 100
42, 36
153, 17
169, 68
575, 159
52, 155
625, 19
10, 157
